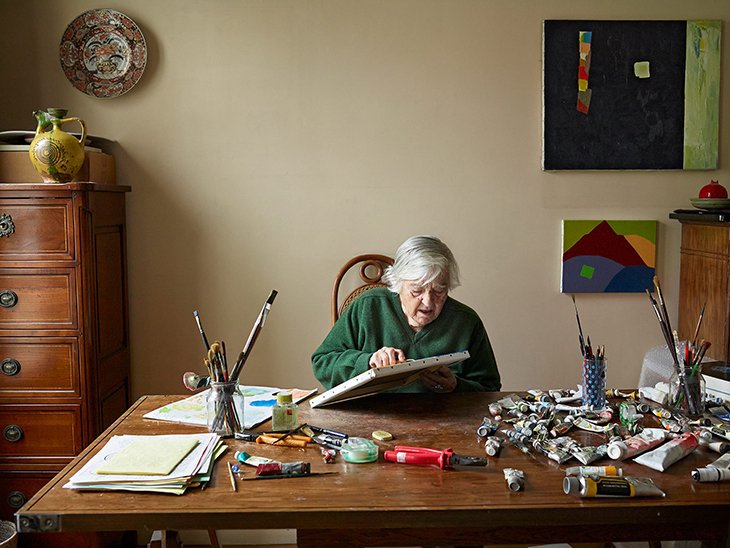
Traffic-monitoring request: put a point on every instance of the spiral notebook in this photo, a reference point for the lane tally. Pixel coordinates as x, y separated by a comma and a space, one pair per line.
383, 378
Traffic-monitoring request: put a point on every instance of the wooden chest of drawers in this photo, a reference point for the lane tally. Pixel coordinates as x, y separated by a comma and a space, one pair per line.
64, 328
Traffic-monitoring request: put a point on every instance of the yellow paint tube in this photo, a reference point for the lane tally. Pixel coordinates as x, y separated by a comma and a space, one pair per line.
610, 487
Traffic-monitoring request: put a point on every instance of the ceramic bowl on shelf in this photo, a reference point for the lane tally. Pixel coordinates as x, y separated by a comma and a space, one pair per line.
710, 203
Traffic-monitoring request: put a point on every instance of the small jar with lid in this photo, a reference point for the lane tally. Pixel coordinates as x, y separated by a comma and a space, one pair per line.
284, 413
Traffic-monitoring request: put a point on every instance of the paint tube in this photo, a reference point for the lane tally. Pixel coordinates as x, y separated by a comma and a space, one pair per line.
629, 415
704, 435
513, 401
493, 445
705, 475
496, 410
614, 393
665, 455
589, 426
722, 430
283, 469
643, 441
251, 460
516, 436
556, 394
524, 427
717, 446
589, 454
487, 428
655, 394
722, 462
560, 428
610, 487
720, 412
661, 412
539, 395
553, 453
515, 479
672, 426
604, 416
601, 471
575, 395
570, 409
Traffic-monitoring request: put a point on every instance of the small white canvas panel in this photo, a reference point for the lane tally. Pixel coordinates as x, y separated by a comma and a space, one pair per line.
383, 378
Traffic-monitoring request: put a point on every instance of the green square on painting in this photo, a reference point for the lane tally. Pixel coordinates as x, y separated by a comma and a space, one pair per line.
587, 271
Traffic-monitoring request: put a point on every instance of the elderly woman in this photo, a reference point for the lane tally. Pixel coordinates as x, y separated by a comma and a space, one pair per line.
412, 318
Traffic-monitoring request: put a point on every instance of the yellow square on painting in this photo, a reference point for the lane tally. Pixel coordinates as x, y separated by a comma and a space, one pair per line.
582, 85
641, 69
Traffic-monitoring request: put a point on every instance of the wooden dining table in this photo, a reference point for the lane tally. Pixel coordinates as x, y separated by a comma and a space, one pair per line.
385, 503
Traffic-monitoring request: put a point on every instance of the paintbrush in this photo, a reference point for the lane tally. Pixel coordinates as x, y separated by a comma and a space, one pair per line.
290, 432
257, 327
661, 302
665, 332
200, 328
580, 330
699, 323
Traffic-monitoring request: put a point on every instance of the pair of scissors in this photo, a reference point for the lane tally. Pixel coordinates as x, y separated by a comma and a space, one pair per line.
423, 455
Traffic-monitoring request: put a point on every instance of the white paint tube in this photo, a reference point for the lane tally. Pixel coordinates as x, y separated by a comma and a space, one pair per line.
717, 446
610, 487
657, 394
665, 455
705, 475
601, 471
643, 441
722, 462
515, 479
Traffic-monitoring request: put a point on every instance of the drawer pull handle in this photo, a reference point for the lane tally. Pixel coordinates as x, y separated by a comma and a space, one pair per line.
13, 433
7, 227
16, 499
8, 298
10, 367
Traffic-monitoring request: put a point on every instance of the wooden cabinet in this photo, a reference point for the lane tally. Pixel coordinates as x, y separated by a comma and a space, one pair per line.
64, 328
705, 263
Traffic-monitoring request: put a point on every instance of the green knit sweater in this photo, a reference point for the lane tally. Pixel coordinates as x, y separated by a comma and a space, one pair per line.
375, 319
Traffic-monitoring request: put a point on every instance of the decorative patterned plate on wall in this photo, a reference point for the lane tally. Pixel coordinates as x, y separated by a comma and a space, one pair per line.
103, 53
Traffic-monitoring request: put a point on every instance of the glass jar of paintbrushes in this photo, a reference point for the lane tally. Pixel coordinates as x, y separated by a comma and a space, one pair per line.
224, 404
687, 389
224, 409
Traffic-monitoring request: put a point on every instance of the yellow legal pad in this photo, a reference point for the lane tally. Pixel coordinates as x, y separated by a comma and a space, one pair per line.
149, 457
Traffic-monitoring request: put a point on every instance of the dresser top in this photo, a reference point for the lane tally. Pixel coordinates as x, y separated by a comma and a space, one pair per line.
96, 187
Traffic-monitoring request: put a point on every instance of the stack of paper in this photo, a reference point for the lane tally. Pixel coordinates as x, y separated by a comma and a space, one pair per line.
163, 464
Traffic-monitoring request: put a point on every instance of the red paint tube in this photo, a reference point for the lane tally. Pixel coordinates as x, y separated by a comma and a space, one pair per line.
283, 469
643, 441
664, 456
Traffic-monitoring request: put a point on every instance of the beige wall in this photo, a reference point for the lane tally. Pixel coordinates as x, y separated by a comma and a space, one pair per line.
269, 141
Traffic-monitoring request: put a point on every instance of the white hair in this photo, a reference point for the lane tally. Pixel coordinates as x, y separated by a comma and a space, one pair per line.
423, 259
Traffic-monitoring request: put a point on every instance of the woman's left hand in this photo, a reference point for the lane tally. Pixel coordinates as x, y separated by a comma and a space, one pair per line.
441, 381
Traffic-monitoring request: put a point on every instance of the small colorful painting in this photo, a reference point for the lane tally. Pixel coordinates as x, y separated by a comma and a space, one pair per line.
608, 256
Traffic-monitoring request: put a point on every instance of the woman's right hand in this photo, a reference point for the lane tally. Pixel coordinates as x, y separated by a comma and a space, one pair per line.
386, 356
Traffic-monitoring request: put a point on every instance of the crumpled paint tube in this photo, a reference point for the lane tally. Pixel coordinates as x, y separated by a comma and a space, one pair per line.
665, 455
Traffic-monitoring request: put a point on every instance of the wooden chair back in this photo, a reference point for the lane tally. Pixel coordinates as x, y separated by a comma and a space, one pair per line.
378, 262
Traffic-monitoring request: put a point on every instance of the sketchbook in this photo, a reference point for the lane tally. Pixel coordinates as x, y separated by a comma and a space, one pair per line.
384, 378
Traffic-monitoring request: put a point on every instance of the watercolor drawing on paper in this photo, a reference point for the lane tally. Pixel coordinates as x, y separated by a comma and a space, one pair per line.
608, 256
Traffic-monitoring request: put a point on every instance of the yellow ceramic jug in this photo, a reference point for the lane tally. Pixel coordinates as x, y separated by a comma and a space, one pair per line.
55, 154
